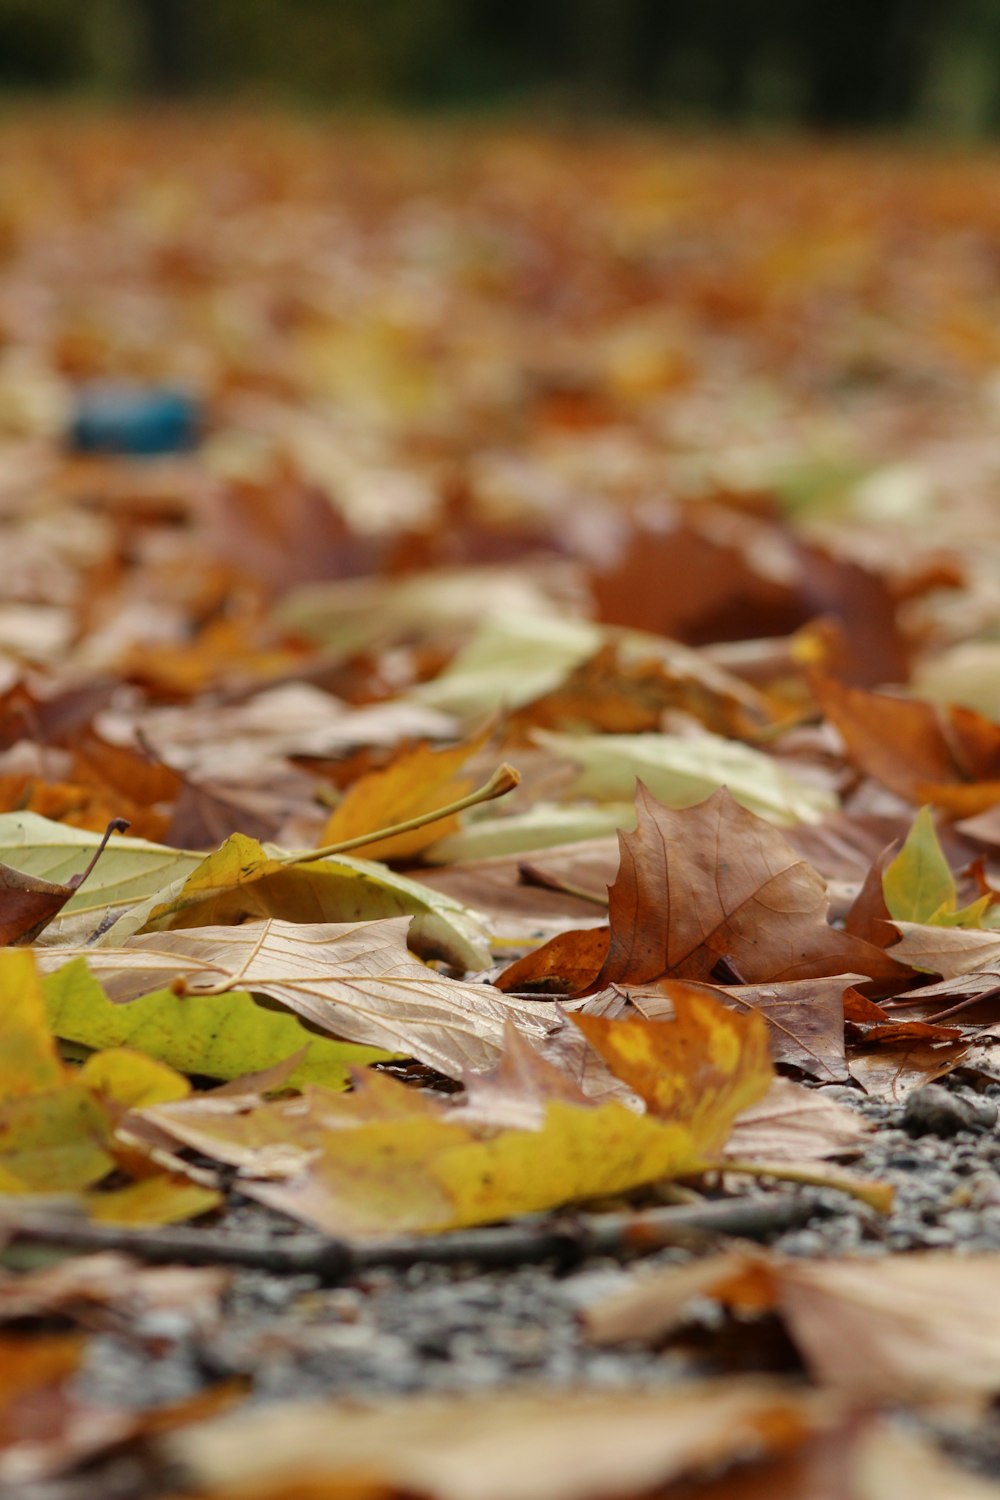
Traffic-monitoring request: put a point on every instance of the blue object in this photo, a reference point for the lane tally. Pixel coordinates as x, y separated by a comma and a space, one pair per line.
140, 420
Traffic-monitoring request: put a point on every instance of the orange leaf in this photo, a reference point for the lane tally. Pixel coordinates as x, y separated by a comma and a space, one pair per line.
701, 1069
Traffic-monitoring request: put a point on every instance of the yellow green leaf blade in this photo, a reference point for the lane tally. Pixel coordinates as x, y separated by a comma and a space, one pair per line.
918, 885
681, 772
54, 1142
216, 1036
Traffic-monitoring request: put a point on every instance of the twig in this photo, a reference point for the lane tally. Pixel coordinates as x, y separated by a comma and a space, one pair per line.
334, 1260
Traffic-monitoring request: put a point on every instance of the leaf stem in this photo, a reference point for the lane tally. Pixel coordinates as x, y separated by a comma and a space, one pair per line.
877, 1195
504, 779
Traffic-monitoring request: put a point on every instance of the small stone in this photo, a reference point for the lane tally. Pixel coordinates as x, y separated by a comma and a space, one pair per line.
933, 1110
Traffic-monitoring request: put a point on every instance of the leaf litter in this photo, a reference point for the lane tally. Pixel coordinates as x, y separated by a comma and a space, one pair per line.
344, 972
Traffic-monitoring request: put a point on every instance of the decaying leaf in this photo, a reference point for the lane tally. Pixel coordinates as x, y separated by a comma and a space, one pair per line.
243, 881
414, 783
704, 1067
680, 772
804, 1017
58, 1125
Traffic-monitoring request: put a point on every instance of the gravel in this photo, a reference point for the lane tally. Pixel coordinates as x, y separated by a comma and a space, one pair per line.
439, 1328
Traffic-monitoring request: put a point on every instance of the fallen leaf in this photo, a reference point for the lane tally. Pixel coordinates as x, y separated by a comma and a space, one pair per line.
45, 1428
356, 980
901, 1327
804, 1017
577, 1445
243, 881
680, 772
703, 1068
129, 869
384, 1160
950, 757
918, 884
108, 1288
415, 782
793, 1123
948, 951
214, 1036
710, 883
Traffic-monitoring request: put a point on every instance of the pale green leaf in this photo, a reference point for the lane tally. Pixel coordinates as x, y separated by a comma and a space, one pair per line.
681, 772
128, 870
918, 885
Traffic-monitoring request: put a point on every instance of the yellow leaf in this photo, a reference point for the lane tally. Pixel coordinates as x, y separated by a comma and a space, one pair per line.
415, 782
131, 1080
385, 1160
165, 1198
29, 1063
54, 1141
703, 1068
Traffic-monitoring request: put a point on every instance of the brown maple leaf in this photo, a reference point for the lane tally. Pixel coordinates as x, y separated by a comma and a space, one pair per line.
714, 882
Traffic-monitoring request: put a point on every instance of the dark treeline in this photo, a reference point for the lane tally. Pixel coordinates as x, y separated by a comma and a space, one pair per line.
836, 63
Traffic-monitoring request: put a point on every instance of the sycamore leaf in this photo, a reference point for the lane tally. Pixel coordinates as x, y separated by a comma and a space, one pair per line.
383, 1160
948, 951
680, 772
415, 782
243, 881
217, 1036
514, 656
356, 980
542, 826
702, 1068
164, 1198
797, 1124
804, 1017
28, 904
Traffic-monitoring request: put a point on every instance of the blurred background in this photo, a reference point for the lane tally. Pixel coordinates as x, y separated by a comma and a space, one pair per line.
929, 65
